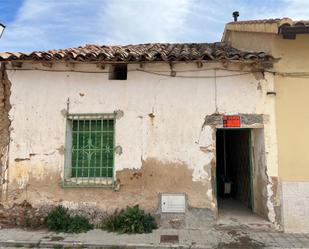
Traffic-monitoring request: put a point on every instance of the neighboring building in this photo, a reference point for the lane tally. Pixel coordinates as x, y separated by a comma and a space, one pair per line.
100, 128
288, 41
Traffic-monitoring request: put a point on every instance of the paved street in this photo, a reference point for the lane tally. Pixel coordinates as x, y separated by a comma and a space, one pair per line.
219, 237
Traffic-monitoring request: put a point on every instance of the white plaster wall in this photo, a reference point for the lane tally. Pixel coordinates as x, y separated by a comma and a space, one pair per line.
271, 151
179, 104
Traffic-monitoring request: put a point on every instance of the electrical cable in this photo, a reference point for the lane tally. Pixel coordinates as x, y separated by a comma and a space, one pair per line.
143, 71
304, 75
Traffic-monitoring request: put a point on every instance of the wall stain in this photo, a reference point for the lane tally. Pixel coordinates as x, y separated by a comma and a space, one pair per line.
61, 150
141, 186
5, 107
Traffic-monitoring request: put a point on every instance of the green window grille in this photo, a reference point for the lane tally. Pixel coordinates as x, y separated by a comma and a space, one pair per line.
89, 150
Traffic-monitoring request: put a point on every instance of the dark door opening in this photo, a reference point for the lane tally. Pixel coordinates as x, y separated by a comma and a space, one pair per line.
233, 171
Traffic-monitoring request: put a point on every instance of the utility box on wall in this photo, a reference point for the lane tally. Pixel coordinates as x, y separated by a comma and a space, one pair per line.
173, 203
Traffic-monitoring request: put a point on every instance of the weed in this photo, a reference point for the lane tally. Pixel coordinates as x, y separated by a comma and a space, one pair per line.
79, 224
57, 246
130, 220
59, 220
18, 245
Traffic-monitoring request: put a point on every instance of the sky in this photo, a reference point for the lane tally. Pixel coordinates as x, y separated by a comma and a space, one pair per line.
37, 25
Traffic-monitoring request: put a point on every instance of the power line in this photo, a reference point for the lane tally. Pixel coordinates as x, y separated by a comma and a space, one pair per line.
193, 76
290, 74
166, 73
159, 73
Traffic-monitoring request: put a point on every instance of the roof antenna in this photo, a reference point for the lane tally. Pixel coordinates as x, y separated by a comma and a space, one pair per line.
235, 15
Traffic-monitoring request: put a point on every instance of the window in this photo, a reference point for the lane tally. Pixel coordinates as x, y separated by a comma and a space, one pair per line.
118, 72
89, 149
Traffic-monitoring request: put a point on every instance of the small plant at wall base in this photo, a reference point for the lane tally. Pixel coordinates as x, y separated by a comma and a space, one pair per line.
79, 224
130, 220
59, 220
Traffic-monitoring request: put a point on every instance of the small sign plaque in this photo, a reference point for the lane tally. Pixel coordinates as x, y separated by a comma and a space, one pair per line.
173, 203
231, 121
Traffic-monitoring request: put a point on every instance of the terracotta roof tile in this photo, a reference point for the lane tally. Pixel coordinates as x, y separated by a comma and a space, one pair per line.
141, 52
258, 21
279, 21
301, 23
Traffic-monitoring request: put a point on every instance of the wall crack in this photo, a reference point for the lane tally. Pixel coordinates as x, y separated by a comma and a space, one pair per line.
5, 107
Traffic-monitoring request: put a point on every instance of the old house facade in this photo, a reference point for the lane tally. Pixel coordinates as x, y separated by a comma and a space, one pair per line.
288, 41
100, 128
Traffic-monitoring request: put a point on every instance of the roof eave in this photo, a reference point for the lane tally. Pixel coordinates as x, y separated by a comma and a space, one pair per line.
243, 61
263, 26
290, 32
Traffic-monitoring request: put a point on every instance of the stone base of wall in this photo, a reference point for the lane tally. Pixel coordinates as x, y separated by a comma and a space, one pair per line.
193, 218
295, 200
22, 215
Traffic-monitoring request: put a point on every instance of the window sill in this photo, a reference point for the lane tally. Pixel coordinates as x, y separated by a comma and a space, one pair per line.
81, 182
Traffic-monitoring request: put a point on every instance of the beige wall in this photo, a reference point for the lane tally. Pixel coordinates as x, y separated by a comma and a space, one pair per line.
292, 128
292, 99
292, 119
249, 41
292, 104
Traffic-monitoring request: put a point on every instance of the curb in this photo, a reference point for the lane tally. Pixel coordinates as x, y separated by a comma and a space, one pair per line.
63, 244
80, 245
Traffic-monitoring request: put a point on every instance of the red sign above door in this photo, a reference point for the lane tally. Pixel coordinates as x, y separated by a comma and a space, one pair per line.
231, 121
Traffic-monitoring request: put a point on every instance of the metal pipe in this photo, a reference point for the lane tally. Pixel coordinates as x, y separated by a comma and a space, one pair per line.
235, 15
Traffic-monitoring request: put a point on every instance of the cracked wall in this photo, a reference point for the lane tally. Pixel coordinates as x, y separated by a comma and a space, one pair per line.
5, 107
266, 187
165, 146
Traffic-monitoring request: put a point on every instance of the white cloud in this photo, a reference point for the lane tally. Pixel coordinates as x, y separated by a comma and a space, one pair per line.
46, 24
134, 21
295, 9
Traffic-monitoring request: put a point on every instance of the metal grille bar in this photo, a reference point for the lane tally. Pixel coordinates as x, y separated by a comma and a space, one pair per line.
89, 150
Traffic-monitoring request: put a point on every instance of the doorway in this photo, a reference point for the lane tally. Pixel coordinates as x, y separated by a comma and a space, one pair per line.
234, 170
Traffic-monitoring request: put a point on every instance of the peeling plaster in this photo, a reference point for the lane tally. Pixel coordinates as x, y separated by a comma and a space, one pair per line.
137, 187
119, 114
5, 107
208, 148
118, 150
63, 112
270, 205
273, 203
179, 146
61, 150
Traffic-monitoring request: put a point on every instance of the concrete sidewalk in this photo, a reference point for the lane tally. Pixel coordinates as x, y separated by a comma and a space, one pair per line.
217, 237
